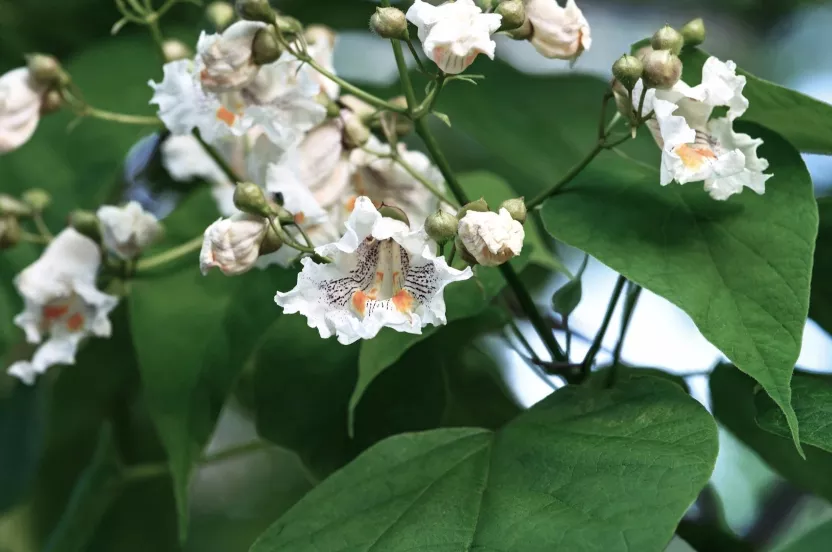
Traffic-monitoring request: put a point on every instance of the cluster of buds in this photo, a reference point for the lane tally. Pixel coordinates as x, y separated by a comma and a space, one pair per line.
480, 235
12, 210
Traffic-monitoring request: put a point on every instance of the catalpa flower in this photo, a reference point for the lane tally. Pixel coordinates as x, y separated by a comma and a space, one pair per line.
227, 58
126, 231
20, 103
491, 238
382, 275
61, 302
697, 147
233, 244
558, 32
454, 33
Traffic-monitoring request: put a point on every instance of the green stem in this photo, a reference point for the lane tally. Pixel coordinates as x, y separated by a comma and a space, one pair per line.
40, 224
441, 162
567, 178
424, 181
289, 241
217, 158
589, 359
630, 301
523, 341
404, 75
430, 101
416, 57
351, 88
170, 255
84, 110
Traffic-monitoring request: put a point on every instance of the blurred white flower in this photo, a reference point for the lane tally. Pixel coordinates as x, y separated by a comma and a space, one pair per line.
558, 32
696, 147
61, 302
227, 62
491, 238
382, 275
126, 231
20, 104
453, 34
232, 244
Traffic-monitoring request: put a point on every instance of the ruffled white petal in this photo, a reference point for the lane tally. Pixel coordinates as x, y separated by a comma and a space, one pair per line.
492, 238
20, 102
558, 32
233, 244
126, 231
728, 181
227, 62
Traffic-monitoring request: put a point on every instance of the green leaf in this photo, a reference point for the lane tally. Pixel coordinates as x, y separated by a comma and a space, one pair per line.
732, 395
803, 121
812, 402
442, 117
582, 470
21, 433
192, 335
815, 540
740, 268
820, 307
568, 297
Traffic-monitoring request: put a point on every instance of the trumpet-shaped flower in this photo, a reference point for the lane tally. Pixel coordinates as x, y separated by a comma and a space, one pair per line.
20, 103
491, 238
558, 32
453, 34
227, 59
382, 275
232, 244
126, 231
696, 146
62, 303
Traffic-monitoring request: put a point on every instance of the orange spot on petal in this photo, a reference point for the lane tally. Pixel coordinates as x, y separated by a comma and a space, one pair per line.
403, 301
351, 203
226, 116
379, 276
75, 322
359, 302
693, 157
299, 218
51, 312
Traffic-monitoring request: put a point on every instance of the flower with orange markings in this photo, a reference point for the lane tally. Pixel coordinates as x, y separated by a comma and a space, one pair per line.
62, 304
383, 274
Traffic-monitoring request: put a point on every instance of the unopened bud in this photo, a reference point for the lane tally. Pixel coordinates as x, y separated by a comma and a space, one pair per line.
479, 205
9, 232
332, 108
266, 47
289, 25
355, 133
441, 227
516, 208
45, 69
485, 5
220, 14
694, 32
463, 253
513, 12
175, 50
628, 70
10, 206
361, 108
668, 38
52, 102
37, 199
271, 241
86, 223
249, 198
662, 69
394, 213
389, 23
255, 10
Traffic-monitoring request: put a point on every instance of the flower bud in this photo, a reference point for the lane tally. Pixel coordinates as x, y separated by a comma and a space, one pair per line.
394, 213
441, 227
361, 108
479, 205
255, 10
668, 38
694, 32
271, 241
87, 224
220, 14
491, 238
249, 198
233, 244
628, 70
288, 25
37, 199
662, 69
266, 47
45, 69
355, 133
513, 12
9, 232
175, 50
332, 108
52, 102
516, 208
463, 253
389, 23
10, 206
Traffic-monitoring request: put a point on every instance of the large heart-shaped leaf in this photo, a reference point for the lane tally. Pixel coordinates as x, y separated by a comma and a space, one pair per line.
740, 268
583, 470
820, 307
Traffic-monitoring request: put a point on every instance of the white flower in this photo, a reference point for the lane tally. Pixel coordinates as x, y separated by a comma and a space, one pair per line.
227, 58
557, 32
454, 33
385, 181
20, 102
491, 238
696, 147
382, 275
321, 41
126, 231
232, 244
61, 301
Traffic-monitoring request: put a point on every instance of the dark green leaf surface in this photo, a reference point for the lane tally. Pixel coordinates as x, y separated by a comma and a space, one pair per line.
739, 268
732, 395
816, 540
812, 402
610, 470
820, 307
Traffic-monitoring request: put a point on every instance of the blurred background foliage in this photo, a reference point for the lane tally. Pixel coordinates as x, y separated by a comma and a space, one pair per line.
234, 502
